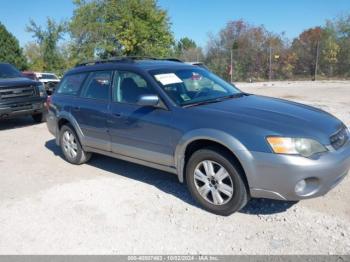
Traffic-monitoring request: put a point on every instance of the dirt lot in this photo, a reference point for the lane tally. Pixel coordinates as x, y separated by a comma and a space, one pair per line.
48, 206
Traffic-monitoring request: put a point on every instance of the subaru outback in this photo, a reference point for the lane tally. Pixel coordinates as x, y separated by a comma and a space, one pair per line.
226, 145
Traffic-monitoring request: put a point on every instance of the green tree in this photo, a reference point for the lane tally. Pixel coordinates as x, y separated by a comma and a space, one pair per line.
47, 40
106, 28
10, 51
306, 47
35, 58
186, 49
330, 51
339, 29
185, 44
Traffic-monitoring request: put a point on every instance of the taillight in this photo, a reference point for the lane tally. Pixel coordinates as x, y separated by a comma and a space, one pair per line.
48, 102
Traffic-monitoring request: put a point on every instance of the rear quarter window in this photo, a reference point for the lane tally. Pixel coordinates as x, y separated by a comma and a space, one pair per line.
71, 84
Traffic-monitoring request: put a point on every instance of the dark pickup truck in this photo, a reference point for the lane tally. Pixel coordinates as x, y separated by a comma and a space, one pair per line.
20, 96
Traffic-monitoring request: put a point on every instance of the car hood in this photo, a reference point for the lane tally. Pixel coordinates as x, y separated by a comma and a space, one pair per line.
272, 116
18, 81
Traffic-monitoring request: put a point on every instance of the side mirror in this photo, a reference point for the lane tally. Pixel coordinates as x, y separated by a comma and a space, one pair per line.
148, 100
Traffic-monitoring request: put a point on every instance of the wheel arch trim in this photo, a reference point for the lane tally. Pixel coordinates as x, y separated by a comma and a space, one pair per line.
71, 120
224, 139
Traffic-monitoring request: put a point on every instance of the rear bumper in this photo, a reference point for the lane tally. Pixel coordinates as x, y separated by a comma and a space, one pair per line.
52, 123
276, 176
31, 107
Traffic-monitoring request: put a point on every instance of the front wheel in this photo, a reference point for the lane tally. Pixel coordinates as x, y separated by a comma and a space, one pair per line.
71, 147
216, 182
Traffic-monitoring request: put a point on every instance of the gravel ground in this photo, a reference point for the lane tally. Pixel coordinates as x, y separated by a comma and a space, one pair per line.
48, 206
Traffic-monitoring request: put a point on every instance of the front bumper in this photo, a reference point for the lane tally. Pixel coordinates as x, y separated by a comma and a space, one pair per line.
276, 176
11, 110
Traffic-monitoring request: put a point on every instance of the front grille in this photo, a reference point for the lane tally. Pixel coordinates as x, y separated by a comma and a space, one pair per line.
17, 92
340, 138
21, 107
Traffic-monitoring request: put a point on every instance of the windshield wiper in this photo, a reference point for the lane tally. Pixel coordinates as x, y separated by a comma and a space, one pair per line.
216, 100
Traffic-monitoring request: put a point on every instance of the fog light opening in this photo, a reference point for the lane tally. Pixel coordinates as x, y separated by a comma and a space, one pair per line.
300, 187
307, 187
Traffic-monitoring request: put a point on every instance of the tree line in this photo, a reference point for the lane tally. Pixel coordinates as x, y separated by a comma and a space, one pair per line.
239, 51
257, 53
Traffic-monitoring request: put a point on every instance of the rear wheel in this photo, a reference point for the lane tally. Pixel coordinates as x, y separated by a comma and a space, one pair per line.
216, 182
71, 147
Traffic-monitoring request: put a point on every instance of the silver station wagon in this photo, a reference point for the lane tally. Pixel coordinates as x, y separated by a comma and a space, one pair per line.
227, 146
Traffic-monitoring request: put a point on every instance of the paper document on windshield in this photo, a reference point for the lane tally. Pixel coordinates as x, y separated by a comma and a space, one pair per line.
168, 79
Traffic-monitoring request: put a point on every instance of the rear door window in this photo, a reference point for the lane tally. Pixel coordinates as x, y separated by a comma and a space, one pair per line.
71, 84
97, 85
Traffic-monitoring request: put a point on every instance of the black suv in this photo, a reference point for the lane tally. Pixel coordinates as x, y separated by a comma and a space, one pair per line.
19, 95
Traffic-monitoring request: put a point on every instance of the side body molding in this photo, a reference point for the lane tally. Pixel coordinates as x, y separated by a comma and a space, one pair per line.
220, 137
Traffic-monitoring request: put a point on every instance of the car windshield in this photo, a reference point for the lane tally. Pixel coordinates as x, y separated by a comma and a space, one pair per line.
47, 76
194, 86
8, 71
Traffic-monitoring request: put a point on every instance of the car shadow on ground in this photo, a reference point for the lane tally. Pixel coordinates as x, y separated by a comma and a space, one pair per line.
261, 206
16, 123
168, 183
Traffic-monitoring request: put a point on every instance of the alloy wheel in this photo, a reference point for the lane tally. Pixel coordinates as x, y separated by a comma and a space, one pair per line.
70, 145
213, 182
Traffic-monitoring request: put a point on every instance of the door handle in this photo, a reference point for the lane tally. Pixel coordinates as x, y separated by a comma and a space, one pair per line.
118, 115
115, 115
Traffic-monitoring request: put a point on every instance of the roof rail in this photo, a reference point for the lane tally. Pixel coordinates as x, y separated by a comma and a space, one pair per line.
172, 60
127, 59
153, 58
103, 61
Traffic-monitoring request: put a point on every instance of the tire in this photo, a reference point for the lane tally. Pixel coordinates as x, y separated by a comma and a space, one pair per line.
221, 193
39, 118
71, 147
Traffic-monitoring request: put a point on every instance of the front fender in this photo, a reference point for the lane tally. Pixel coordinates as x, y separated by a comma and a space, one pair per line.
220, 137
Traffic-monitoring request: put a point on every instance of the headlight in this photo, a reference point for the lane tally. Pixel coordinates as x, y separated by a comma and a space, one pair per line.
42, 91
295, 146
